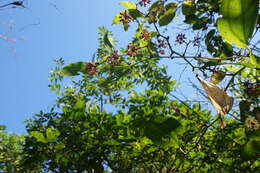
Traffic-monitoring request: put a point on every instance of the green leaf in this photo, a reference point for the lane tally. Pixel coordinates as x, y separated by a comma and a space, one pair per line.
209, 36
188, 7
156, 131
126, 26
198, 25
74, 69
108, 40
134, 13
79, 105
116, 19
254, 60
168, 15
60, 146
52, 134
251, 149
112, 142
245, 65
155, 10
238, 21
191, 19
128, 5
156, 6
38, 135
244, 107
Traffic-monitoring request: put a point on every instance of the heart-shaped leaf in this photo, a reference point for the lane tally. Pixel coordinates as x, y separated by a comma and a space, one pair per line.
238, 21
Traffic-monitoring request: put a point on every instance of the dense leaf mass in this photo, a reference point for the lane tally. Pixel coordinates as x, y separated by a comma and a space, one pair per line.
123, 112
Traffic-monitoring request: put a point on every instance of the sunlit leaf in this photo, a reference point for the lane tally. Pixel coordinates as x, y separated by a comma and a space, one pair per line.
188, 7
254, 60
74, 68
238, 21
128, 5
156, 9
39, 136
168, 15
116, 19
79, 105
52, 134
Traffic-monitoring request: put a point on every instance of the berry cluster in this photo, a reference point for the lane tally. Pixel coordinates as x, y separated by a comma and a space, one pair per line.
92, 68
132, 49
252, 123
114, 59
146, 35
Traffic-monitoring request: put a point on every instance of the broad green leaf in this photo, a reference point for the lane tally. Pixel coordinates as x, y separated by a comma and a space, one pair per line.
74, 69
156, 6
39, 136
251, 149
238, 21
128, 5
191, 19
188, 7
156, 131
52, 134
168, 15
134, 13
156, 9
199, 24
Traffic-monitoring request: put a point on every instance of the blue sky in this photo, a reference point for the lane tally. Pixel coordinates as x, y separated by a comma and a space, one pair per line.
44, 33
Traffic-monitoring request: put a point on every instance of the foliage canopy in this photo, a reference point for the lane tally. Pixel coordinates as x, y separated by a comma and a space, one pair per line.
122, 113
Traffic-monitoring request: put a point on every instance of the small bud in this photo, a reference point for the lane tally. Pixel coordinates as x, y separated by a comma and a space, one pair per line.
114, 59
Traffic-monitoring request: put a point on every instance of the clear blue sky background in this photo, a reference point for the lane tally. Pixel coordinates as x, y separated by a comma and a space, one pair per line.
69, 32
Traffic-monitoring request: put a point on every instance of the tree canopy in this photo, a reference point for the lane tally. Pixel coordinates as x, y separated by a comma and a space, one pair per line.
121, 112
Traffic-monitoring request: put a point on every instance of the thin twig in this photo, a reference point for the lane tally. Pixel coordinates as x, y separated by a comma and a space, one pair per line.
233, 77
